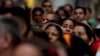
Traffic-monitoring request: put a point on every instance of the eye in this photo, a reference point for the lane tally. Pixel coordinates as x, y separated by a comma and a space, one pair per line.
54, 34
72, 27
65, 26
80, 13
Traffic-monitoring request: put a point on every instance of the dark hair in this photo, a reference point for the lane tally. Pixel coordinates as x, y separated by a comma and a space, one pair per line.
19, 12
61, 39
5, 10
79, 47
23, 14
39, 33
97, 32
89, 32
69, 6
44, 2
60, 8
89, 10
84, 9
37, 9
61, 22
65, 13
11, 26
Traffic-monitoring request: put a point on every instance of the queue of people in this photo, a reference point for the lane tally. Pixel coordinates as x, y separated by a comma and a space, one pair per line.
42, 31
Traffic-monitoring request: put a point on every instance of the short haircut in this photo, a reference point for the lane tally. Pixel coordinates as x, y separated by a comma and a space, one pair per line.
23, 14
37, 9
11, 26
84, 9
45, 2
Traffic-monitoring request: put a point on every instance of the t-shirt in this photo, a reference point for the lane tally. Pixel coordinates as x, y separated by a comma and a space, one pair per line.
93, 22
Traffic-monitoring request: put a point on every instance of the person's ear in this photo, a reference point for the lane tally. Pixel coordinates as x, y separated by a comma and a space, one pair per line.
7, 40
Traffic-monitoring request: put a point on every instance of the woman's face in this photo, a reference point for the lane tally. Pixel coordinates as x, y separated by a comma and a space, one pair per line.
81, 32
52, 33
67, 27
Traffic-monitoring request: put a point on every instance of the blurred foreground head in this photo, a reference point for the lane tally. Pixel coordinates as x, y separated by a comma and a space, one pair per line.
9, 35
27, 49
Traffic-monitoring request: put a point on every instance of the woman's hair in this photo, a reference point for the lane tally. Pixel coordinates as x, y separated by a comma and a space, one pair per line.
58, 28
61, 22
89, 32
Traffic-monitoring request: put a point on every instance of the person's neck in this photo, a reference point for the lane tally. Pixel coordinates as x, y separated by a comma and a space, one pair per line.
7, 52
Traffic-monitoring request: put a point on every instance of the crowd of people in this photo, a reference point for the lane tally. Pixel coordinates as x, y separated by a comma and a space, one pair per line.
43, 31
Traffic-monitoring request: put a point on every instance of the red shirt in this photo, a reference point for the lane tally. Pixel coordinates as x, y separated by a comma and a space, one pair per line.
95, 46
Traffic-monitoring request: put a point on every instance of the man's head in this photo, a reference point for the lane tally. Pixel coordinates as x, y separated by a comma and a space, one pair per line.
9, 33
37, 14
47, 6
79, 13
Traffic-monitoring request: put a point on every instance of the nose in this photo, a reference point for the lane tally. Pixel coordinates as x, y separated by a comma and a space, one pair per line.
78, 15
68, 29
50, 36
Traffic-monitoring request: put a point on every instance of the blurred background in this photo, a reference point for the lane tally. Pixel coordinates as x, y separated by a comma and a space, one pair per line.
94, 4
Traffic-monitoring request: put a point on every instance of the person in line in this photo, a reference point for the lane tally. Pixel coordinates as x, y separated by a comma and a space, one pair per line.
9, 35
